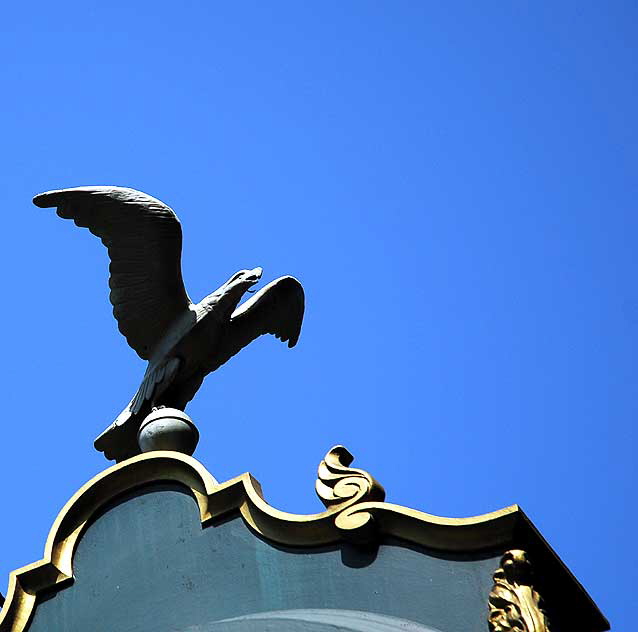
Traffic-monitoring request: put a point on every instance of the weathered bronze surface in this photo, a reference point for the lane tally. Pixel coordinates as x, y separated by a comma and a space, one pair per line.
182, 341
355, 513
514, 604
168, 429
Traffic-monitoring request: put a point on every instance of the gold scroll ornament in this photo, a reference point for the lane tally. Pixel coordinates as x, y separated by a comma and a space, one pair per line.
514, 604
344, 489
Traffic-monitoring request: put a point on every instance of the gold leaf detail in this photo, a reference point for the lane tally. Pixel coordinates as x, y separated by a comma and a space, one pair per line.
337, 484
514, 604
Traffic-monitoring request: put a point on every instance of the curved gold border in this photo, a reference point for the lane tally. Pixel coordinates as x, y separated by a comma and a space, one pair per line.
354, 512
55, 569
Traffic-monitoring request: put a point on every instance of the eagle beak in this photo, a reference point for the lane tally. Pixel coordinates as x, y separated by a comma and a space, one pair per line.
253, 277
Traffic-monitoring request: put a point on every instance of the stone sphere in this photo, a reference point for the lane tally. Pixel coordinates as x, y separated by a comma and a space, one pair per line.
168, 429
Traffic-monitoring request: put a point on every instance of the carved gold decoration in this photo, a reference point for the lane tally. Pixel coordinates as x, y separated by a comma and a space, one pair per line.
338, 483
353, 499
514, 604
340, 486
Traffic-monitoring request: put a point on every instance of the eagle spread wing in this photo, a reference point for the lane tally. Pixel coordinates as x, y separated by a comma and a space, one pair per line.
144, 241
276, 309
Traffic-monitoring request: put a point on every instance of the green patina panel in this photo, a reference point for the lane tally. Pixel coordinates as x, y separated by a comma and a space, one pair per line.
147, 565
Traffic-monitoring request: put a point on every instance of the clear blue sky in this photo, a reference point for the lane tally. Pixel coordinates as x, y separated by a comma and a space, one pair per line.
454, 184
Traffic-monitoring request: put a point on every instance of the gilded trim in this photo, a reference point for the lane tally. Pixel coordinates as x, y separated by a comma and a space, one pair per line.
55, 569
355, 510
514, 604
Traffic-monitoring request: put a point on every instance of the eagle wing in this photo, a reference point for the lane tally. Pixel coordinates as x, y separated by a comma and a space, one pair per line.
276, 309
144, 241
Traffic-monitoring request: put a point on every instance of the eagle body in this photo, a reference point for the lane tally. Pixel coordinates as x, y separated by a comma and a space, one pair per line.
182, 341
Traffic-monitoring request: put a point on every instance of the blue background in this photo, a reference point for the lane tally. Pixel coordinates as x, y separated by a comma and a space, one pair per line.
453, 183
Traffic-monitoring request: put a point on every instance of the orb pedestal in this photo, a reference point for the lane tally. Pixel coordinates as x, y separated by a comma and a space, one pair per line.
168, 429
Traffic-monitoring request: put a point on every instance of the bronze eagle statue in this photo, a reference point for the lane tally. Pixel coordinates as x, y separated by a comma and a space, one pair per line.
182, 341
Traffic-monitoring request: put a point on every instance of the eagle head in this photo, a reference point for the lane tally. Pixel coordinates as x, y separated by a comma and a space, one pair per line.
227, 297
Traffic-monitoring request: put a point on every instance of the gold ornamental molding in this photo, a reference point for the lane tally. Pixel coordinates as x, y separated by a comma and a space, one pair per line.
55, 570
514, 604
355, 511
